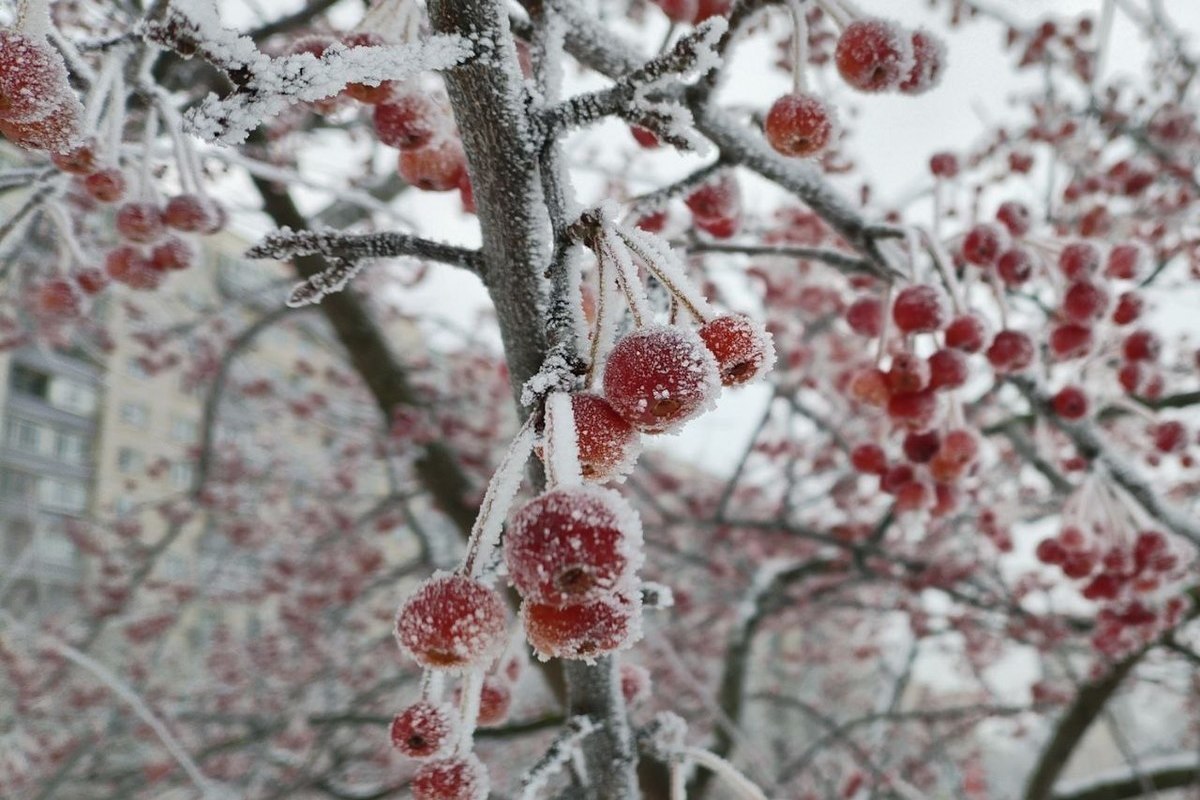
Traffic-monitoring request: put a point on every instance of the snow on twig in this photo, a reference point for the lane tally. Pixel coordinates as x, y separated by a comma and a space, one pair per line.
561, 750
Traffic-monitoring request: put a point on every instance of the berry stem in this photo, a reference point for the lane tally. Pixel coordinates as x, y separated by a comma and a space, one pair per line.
841, 18
468, 709
625, 275
662, 262
885, 325
146, 187
741, 786
799, 46
604, 285
33, 17
942, 260
98, 92
561, 443
433, 685
63, 222
506, 480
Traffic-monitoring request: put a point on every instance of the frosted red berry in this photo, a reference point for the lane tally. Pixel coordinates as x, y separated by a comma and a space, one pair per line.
943, 165
171, 254
635, 683
1129, 308
452, 622
865, 316
870, 386
572, 544
799, 125
582, 631
869, 459
57, 132
984, 243
717, 199
495, 700
1084, 301
928, 63
425, 730
458, 778
1079, 260
365, 92
1070, 403
130, 265
1170, 436
1070, 340
1141, 345
947, 369
719, 227
437, 167
33, 77
90, 280
105, 185
908, 373
607, 443
658, 377
1015, 217
966, 333
920, 446
742, 348
873, 55
1126, 261
79, 160
1015, 266
408, 121
1010, 351
919, 309
683, 11
139, 222
192, 213
57, 299
913, 410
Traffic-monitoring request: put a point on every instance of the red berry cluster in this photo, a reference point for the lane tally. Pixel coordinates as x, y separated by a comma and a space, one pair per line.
693, 12
38, 108
1123, 576
716, 206
875, 55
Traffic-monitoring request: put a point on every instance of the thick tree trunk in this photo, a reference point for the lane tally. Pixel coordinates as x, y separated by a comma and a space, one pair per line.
490, 106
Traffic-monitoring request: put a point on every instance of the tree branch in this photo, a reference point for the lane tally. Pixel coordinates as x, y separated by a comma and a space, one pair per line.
284, 244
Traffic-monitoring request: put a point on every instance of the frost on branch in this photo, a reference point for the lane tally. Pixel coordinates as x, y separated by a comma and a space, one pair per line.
565, 746
313, 289
266, 86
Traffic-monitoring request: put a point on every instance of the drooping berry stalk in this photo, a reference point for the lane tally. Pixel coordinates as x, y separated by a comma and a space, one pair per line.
662, 262
502, 488
561, 442
799, 46
609, 245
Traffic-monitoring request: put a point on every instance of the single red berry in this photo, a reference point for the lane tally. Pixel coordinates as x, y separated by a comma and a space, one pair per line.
929, 58
408, 121
644, 137
1015, 217
458, 778
912, 496
1070, 340
131, 266
425, 730
799, 125
921, 446
58, 299
607, 443
919, 309
33, 77
1084, 301
984, 243
947, 369
966, 333
1079, 260
908, 373
57, 132
1015, 266
105, 185
719, 227
873, 55
1070, 403
742, 348
869, 459
659, 377
1170, 436
711, 8
91, 280
870, 386
943, 165
1129, 308
192, 213
437, 167
1130, 376
1079, 564
1126, 261
452, 622
958, 452
1049, 551
913, 410
139, 222
895, 477
865, 316
79, 160
172, 253
682, 11
1142, 345
653, 222
1010, 351
719, 198
572, 544
635, 684
583, 631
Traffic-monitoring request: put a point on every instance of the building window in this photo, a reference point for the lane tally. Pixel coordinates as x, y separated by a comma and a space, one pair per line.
62, 495
28, 381
183, 429
129, 460
70, 447
73, 396
23, 434
135, 414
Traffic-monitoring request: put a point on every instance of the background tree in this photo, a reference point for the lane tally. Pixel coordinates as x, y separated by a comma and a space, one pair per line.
964, 521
